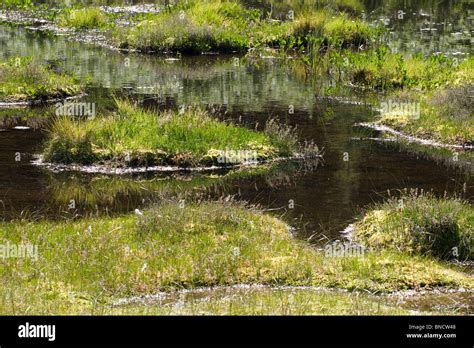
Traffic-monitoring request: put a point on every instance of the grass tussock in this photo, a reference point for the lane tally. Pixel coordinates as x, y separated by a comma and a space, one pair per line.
198, 27
136, 137
227, 26
446, 115
26, 80
441, 86
84, 18
420, 224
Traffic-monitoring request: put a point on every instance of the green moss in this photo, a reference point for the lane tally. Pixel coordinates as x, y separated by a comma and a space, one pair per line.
420, 224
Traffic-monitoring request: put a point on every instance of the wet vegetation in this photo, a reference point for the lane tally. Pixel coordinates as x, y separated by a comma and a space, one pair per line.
174, 246
26, 81
226, 26
420, 224
135, 137
179, 236
86, 18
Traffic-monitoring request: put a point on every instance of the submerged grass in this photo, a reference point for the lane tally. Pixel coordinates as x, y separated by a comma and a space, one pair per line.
135, 137
420, 224
25, 80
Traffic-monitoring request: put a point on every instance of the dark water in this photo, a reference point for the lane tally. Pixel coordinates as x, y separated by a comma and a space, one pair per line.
326, 198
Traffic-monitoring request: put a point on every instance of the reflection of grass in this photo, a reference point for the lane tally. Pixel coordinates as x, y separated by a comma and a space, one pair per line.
462, 161
420, 224
136, 137
24, 80
107, 191
172, 246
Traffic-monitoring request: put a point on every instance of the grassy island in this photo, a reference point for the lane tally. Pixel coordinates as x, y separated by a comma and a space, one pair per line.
24, 80
192, 137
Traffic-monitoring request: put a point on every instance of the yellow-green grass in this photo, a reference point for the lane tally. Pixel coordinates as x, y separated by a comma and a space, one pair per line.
229, 26
136, 137
199, 27
327, 29
169, 247
83, 18
381, 70
446, 116
24, 80
349, 6
420, 224
441, 86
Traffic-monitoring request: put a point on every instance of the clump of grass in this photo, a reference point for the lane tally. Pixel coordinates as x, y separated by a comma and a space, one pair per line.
26, 80
17, 4
446, 115
381, 70
193, 28
84, 18
420, 224
228, 26
135, 137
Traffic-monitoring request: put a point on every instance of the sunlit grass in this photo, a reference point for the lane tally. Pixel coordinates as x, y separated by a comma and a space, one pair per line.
134, 137
186, 245
84, 18
229, 26
420, 224
25, 80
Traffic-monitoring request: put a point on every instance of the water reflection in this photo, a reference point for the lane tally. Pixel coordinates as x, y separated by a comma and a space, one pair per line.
355, 172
